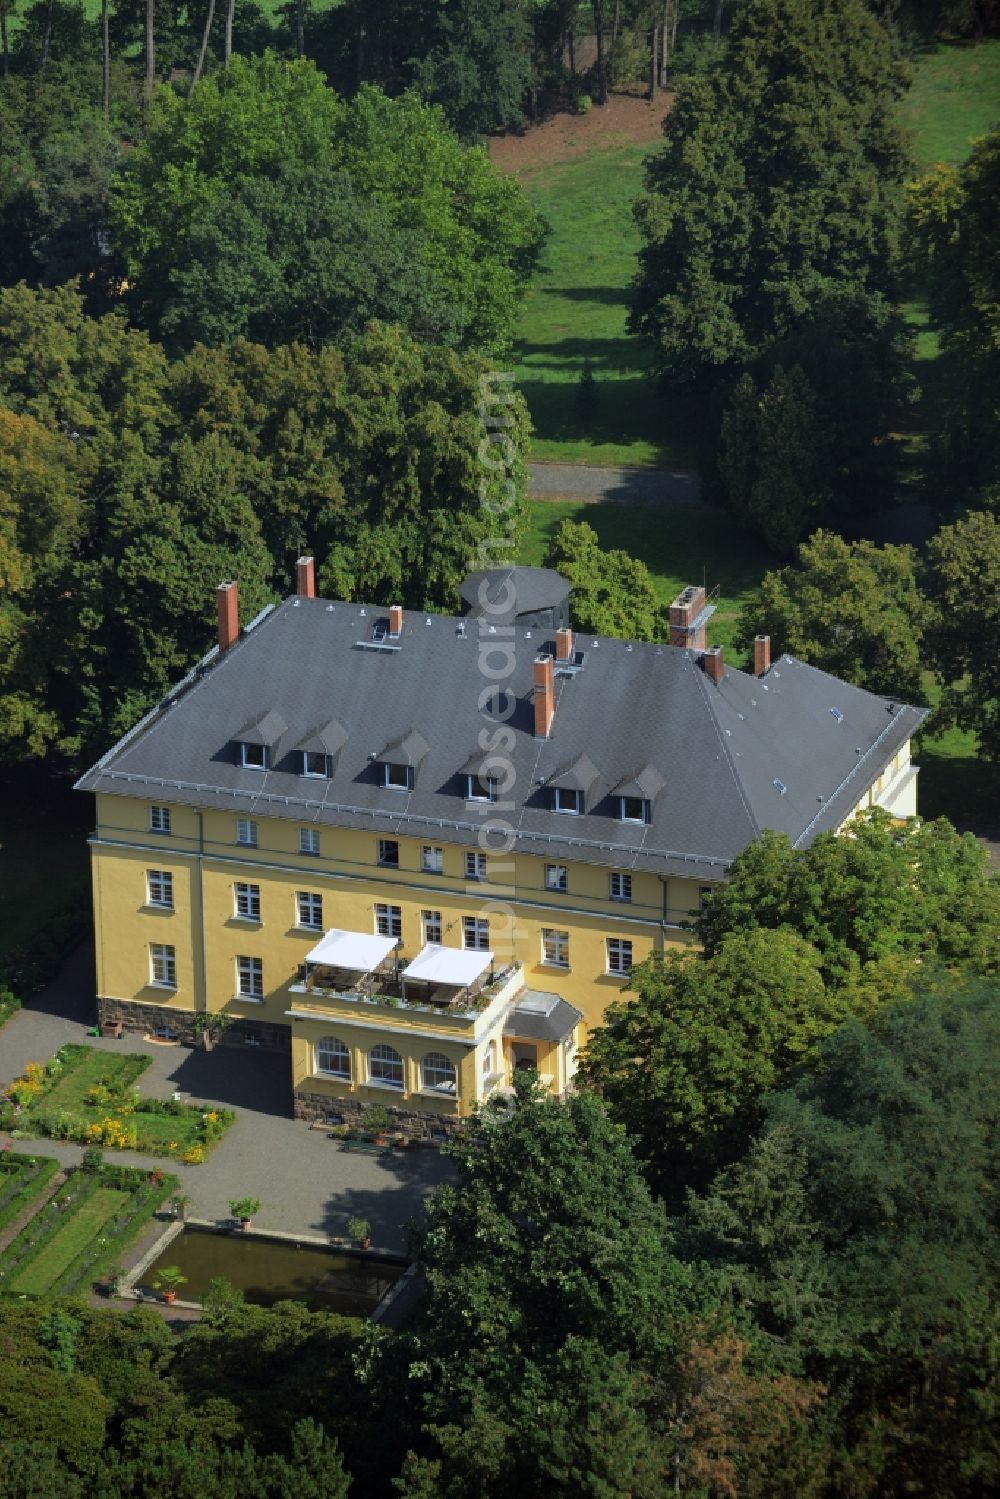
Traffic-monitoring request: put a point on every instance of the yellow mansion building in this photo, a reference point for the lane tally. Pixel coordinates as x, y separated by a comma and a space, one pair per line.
414, 852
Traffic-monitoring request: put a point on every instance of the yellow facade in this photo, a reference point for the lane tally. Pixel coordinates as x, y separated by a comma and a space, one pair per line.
554, 940
202, 855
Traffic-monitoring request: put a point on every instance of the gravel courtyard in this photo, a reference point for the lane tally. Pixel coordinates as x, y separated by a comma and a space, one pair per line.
305, 1181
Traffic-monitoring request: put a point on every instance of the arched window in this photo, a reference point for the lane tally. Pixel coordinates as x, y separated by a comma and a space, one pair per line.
385, 1066
333, 1057
437, 1072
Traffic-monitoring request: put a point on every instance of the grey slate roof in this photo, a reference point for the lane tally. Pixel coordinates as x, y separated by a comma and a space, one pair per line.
719, 748
533, 588
541, 1021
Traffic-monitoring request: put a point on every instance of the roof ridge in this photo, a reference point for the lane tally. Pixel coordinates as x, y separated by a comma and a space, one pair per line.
730, 759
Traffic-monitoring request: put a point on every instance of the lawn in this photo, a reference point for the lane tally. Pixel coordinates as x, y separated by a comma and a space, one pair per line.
22, 1178
82, 1229
90, 1095
575, 310
679, 546
68, 1242
955, 97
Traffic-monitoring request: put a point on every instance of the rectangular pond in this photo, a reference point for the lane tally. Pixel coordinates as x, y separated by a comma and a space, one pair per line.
268, 1270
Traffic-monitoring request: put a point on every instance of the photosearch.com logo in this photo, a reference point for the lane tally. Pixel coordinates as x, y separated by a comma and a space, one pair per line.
492, 775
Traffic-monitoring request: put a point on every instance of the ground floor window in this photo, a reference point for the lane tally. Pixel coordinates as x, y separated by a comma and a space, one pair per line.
619, 956
555, 948
476, 933
333, 1057
389, 921
437, 1072
385, 1065
433, 930
250, 978
163, 964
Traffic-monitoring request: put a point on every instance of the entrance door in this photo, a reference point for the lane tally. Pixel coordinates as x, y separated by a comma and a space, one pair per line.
523, 1056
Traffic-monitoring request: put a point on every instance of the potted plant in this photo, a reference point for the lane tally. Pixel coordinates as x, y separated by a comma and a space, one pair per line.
111, 1030
377, 1122
243, 1209
168, 1281
179, 1205
360, 1229
208, 1028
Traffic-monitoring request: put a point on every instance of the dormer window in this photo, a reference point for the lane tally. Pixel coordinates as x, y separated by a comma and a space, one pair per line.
633, 809
398, 777
259, 741
571, 785
481, 788
316, 764
636, 795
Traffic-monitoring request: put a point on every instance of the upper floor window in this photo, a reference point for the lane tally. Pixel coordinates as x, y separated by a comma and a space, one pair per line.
308, 840
476, 933
432, 859
388, 852
317, 764
398, 777
333, 1057
159, 819
475, 866
620, 886
247, 899
556, 877
480, 788
162, 965
160, 888
705, 893
565, 800
253, 756
633, 809
389, 920
309, 910
433, 930
246, 832
619, 957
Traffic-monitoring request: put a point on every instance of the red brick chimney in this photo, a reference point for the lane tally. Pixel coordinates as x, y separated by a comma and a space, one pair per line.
564, 645
395, 619
713, 663
683, 611
305, 578
544, 696
761, 654
227, 602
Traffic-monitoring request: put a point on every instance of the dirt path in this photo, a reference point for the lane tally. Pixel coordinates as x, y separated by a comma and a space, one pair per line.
617, 486
625, 120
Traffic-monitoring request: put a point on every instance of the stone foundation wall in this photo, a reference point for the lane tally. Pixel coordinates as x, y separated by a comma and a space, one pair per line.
143, 1019
317, 1107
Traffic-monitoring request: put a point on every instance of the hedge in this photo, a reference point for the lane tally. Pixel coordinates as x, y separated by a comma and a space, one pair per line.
23, 1185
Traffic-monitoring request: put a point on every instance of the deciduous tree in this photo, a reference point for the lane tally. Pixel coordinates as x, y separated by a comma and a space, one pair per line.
853, 609
613, 593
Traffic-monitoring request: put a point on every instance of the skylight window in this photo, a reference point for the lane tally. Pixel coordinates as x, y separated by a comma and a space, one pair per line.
837, 714
779, 787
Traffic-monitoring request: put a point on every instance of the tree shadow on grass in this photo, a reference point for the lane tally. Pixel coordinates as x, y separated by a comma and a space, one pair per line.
607, 296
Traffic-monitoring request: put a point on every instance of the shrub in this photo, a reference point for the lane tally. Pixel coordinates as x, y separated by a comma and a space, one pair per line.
584, 104
93, 1160
244, 1207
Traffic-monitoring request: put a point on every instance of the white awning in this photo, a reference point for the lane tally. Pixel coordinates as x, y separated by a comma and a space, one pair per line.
435, 964
354, 950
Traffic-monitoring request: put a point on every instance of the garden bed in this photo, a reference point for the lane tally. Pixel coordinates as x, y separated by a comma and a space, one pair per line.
82, 1230
22, 1178
90, 1096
